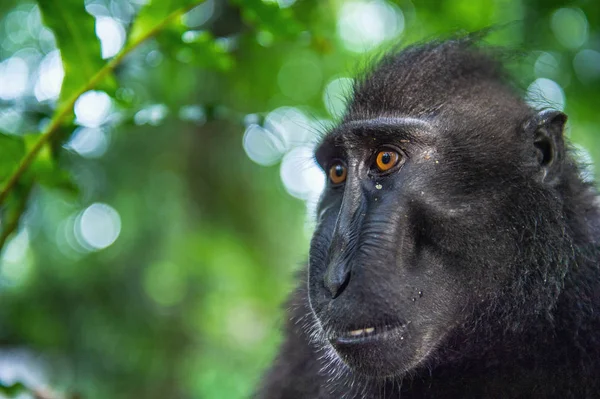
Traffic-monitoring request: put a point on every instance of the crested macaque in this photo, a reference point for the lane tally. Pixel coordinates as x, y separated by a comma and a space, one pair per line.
457, 248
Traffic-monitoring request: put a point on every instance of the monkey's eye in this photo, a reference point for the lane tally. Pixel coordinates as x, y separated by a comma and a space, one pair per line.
337, 173
386, 160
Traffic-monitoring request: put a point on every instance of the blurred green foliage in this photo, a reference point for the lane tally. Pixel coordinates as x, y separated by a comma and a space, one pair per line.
146, 253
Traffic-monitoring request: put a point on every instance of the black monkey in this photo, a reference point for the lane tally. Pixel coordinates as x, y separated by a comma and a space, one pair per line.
457, 248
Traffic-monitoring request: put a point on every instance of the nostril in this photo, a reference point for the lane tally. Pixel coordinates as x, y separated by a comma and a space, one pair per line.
336, 279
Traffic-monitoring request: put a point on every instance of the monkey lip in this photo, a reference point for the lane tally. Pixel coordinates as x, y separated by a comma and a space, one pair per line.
380, 350
368, 334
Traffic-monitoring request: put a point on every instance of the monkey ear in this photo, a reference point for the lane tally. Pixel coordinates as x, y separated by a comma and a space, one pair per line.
549, 143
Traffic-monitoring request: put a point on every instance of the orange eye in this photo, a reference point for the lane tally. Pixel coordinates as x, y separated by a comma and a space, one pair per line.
386, 160
337, 173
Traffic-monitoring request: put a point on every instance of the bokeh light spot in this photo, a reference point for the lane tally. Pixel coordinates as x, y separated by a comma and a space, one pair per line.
88, 142
200, 14
151, 115
284, 129
16, 26
335, 96
23, 366
546, 66
362, 25
245, 325
262, 146
66, 240
570, 26
16, 265
281, 3
46, 40
265, 38
92, 108
154, 58
587, 65
50, 77
190, 36
111, 34
98, 226
544, 93
193, 113
10, 120
14, 75
301, 175
164, 283
291, 126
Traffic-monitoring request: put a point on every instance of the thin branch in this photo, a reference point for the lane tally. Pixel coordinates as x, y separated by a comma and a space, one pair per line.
67, 108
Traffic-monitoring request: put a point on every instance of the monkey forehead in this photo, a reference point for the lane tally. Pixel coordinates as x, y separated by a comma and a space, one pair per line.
456, 82
389, 129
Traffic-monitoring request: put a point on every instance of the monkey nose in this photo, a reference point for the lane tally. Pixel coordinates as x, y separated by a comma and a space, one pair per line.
337, 277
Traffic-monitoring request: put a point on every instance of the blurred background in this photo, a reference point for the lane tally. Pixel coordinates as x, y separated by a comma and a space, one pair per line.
152, 238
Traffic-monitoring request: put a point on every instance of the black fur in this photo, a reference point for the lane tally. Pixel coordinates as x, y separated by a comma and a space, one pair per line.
476, 261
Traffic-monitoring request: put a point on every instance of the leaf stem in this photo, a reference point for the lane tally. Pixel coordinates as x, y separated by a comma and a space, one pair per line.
67, 108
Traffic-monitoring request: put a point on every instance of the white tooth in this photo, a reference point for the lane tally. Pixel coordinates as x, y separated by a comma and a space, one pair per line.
369, 330
356, 332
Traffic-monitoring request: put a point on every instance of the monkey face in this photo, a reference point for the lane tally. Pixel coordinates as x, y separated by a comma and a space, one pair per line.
414, 231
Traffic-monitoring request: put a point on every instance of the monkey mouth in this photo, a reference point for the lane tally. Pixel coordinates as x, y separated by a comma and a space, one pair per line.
377, 350
368, 334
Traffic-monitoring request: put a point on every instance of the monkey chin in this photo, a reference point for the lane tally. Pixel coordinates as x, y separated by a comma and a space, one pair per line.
378, 354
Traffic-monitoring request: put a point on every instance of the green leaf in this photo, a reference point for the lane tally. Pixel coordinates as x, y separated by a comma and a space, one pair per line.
11, 213
45, 169
12, 149
200, 49
12, 390
269, 17
153, 14
78, 44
